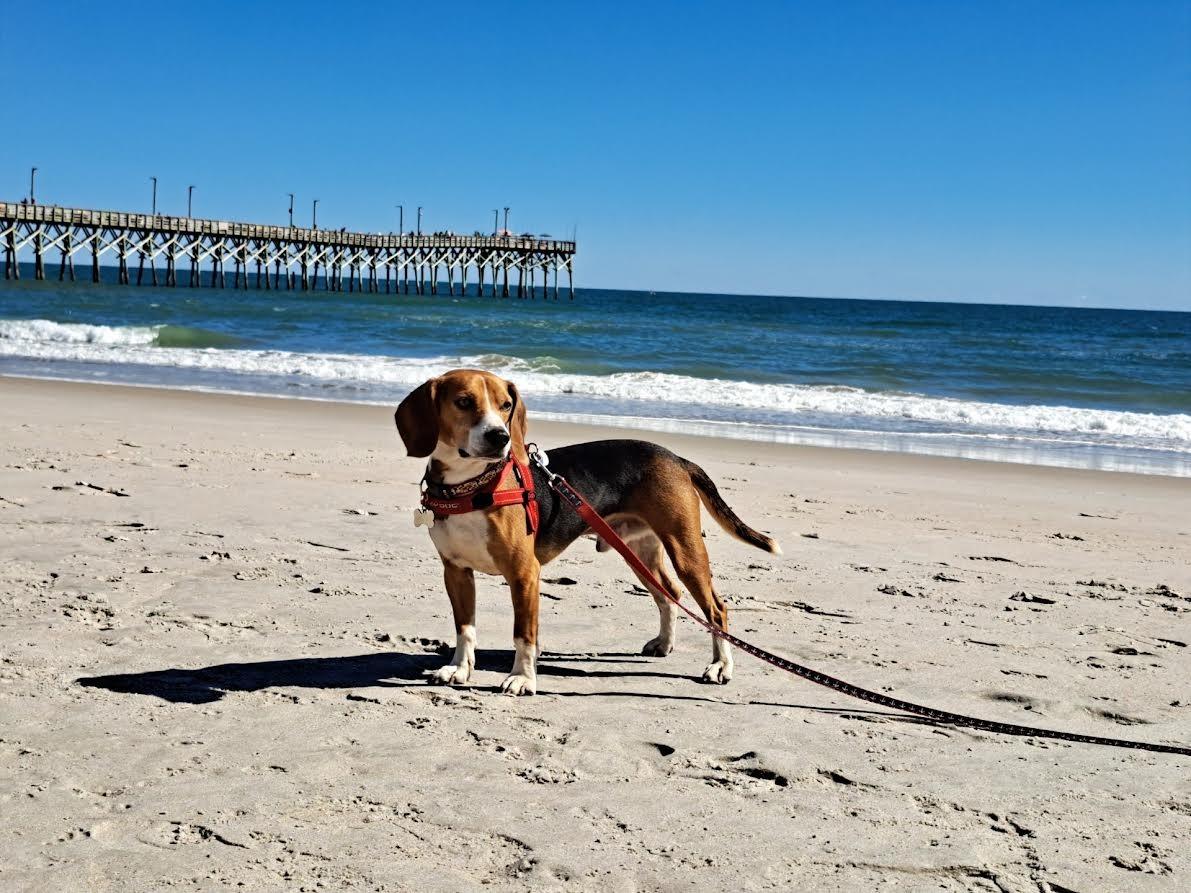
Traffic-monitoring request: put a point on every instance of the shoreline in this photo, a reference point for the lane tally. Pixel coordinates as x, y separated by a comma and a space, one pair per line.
1071, 455
773, 450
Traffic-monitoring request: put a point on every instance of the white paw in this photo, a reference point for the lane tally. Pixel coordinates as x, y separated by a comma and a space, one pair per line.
517, 684
718, 672
451, 675
658, 647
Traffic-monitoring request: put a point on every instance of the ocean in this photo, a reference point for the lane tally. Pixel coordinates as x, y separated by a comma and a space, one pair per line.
1108, 389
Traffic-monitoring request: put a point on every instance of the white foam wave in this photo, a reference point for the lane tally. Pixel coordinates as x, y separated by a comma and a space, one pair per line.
43, 331
752, 401
801, 400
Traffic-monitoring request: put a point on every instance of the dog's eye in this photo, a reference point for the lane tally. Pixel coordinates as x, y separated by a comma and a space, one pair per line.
507, 405
465, 403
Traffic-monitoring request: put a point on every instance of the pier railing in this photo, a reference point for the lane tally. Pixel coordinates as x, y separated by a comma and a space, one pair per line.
292, 252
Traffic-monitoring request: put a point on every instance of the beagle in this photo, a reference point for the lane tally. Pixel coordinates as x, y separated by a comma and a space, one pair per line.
489, 512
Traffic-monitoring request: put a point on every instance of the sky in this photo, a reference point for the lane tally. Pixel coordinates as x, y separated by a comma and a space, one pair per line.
1006, 152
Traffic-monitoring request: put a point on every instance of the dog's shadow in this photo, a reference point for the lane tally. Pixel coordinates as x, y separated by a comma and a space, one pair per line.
386, 669
398, 670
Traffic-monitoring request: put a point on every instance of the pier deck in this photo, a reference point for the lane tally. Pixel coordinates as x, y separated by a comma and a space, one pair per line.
283, 256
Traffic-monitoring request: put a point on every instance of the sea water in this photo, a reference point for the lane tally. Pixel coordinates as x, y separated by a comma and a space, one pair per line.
1060, 386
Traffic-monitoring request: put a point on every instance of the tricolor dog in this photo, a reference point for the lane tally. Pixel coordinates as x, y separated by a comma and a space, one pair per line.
488, 511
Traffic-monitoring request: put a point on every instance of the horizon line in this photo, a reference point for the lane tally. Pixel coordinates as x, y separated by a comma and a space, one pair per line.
974, 302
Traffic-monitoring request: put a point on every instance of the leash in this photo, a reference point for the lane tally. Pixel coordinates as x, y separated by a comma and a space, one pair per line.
601, 527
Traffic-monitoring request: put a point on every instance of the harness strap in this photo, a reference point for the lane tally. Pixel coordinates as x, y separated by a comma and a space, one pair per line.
604, 530
491, 497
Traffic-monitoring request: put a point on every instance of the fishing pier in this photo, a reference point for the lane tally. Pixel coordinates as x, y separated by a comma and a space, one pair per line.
280, 257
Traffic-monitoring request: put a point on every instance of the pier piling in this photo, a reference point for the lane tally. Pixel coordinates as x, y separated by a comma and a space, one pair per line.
38, 258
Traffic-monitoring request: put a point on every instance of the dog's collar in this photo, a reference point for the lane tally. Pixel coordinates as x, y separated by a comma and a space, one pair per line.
485, 491
485, 479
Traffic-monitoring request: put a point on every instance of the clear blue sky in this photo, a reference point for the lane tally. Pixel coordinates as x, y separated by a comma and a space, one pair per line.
1034, 153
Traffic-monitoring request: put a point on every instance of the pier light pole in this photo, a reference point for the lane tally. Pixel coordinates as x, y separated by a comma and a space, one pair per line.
291, 210
154, 179
506, 221
32, 181
401, 220
419, 220
189, 200
314, 216
495, 221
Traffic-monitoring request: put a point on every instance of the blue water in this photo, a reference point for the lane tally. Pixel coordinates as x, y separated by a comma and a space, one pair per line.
1092, 388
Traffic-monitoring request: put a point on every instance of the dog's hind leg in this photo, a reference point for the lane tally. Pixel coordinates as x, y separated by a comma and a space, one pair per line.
649, 549
684, 544
461, 587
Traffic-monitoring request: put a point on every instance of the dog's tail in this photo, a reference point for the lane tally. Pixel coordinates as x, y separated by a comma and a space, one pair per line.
709, 494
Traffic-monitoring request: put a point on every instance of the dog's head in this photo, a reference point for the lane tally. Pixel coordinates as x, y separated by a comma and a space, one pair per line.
475, 414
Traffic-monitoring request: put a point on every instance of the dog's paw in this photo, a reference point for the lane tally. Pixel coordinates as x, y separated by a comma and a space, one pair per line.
517, 684
718, 672
450, 675
658, 647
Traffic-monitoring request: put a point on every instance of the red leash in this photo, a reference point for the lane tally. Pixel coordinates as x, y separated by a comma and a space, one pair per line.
601, 527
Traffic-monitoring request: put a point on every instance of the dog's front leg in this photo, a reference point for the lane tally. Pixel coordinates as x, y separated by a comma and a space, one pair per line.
461, 587
524, 587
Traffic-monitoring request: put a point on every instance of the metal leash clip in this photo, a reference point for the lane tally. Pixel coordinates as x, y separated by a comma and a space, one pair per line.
539, 458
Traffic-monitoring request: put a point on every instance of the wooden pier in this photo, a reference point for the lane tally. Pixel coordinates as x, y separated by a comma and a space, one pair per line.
279, 256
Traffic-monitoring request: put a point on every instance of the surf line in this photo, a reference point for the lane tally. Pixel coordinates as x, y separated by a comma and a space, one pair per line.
604, 530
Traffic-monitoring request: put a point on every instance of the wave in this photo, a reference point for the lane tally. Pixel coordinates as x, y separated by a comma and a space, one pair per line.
633, 392
44, 331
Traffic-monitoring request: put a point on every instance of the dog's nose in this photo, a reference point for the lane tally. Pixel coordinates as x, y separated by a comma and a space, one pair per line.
497, 437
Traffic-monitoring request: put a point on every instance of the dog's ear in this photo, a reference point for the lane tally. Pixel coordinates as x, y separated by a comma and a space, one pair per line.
417, 420
518, 428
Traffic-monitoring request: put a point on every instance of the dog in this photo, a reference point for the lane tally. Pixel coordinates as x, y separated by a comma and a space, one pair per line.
488, 511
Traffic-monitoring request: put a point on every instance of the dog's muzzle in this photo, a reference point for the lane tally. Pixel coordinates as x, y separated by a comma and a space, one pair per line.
494, 441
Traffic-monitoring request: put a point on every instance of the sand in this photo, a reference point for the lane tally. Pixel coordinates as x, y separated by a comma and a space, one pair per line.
216, 616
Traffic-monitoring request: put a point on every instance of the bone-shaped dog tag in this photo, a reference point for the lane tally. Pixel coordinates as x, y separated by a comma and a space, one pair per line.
423, 518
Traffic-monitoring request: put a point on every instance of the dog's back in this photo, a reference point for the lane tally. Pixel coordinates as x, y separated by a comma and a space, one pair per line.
615, 476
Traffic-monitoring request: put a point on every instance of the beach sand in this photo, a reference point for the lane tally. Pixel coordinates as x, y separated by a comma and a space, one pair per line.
215, 617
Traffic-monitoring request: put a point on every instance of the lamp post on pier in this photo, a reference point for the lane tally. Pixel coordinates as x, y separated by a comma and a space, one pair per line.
419, 220
189, 200
314, 216
401, 220
495, 221
291, 209
32, 181
506, 221
154, 179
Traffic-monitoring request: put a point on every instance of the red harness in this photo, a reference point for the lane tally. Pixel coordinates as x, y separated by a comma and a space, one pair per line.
459, 499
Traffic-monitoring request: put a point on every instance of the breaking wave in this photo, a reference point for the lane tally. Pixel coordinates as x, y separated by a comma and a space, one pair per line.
15, 332
627, 393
